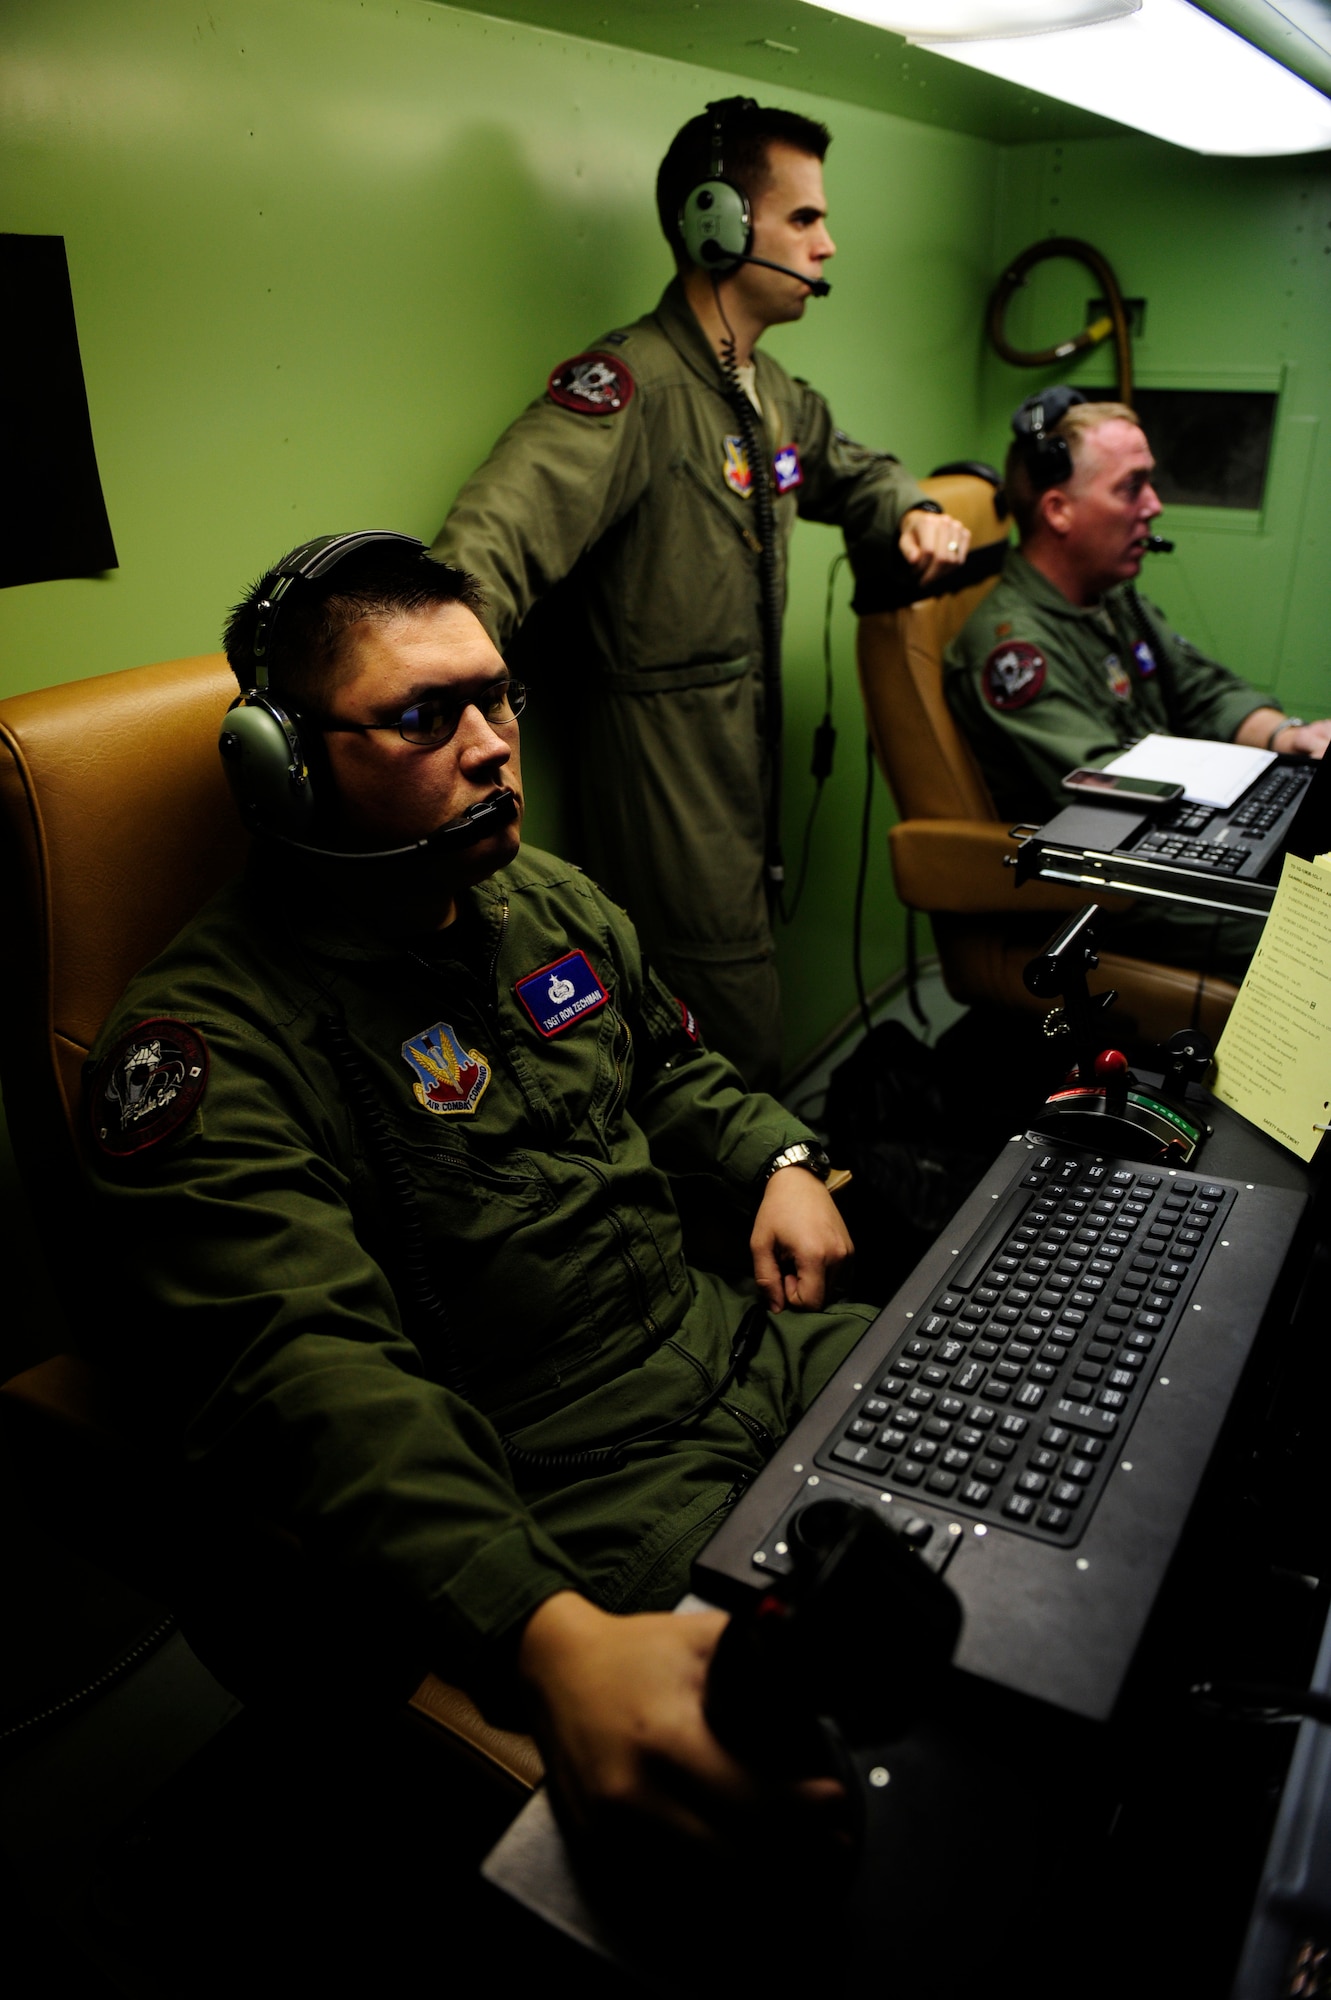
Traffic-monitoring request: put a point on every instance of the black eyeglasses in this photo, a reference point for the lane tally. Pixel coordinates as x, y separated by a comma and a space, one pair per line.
433, 721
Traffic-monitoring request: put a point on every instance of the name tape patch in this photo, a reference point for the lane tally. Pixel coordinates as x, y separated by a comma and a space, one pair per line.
1144, 657
787, 470
560, 994
147, 1086
1013, 675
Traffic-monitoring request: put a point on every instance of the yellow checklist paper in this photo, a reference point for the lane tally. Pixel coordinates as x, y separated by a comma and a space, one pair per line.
1273, 1065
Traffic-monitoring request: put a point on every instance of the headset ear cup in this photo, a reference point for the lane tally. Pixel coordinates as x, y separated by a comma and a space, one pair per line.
265, 765
716, 225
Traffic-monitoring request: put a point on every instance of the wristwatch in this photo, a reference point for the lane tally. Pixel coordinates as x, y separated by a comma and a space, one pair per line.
1290, 722
812, 1158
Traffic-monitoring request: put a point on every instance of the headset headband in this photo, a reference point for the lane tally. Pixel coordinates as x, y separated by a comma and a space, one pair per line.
1034, 422
307, 564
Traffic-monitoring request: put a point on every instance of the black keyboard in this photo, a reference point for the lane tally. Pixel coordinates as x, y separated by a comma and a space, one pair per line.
1003, 1398
1220, 858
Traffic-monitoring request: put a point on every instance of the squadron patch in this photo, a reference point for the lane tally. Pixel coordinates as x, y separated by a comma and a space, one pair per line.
450, 1080
595, 385
735, 466
1119, 683
147, 1086
1144, 657
787, 470
1013, 675
560, 994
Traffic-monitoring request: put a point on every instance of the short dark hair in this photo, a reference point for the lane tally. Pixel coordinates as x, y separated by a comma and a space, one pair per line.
380, 580
748, 130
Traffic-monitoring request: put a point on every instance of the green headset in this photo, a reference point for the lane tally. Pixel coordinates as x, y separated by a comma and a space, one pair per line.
716, 220
266, 762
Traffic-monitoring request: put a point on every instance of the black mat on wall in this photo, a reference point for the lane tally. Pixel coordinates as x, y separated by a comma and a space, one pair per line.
52, 514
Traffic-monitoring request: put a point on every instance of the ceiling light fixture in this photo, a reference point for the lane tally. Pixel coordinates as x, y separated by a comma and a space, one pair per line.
1159, 65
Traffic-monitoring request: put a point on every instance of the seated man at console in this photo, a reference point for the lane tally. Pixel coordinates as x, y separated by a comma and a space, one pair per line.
384, 1140
1064, 663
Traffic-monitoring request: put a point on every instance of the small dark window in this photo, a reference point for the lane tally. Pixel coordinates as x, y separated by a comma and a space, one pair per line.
1211, 445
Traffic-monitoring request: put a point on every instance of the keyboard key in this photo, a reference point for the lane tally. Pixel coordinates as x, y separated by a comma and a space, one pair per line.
1055, 1437
1065, 1494
952, 1350
1122, 1378
976, 1493
969, 1438
951, 1406
936, 1377
990, 1469
997, 1392
954, 1460
1120, 1315
921, 1348
941, 1482
924, 1449
907, 1474
1111, 1399
969, 1378
1056, 1518
860, 1428
950, 1302
936, 1427
986, 1349
1020, 1506
1129, 1359
863, 1456
876, 1407
982, 1416
893, 1439
1002, 1447
1083, 1417
936, 1324
1044, 1371
921, 1399
1031, 1395
1099, 1350
1150, 1322
1044, 1460
1014, 1427
1033, 1482
1080, 1469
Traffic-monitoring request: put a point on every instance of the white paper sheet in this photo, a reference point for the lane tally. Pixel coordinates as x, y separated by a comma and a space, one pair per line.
1212, 774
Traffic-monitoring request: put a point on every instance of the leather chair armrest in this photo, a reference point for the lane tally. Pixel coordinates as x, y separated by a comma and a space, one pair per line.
958, 866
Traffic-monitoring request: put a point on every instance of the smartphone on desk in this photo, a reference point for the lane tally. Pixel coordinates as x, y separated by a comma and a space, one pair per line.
1117, 788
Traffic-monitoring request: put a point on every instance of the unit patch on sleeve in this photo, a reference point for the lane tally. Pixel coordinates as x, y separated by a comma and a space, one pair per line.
787, 470
595, 385
450, 1080
560, 994
687, 1019
1144, 657
145, 1089
1013, 675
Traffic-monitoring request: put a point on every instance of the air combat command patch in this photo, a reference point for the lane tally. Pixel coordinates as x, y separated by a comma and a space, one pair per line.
1119, 683
450, 1080
147, 1086
595, 385
1013, 675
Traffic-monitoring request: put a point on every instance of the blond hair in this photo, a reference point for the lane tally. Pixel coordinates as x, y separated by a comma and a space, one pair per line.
1075, 425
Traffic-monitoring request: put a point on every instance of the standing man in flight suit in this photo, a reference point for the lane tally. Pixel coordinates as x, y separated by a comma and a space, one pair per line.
1064, 663
661, 474
383, 1143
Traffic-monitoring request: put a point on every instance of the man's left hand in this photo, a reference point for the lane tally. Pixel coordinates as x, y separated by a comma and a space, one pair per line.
798, 1240
933, 543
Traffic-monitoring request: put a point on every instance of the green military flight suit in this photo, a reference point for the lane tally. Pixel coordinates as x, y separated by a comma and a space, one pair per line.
632, 487
1039, 686
515, 1089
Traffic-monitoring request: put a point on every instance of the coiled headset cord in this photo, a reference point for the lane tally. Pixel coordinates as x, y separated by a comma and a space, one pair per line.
765, 520
424, 1300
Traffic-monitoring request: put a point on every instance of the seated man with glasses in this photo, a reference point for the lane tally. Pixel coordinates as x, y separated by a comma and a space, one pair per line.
385, 1140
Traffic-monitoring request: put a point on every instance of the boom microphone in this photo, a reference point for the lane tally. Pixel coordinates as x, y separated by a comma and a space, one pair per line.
714, 254
485, 817
1156, 545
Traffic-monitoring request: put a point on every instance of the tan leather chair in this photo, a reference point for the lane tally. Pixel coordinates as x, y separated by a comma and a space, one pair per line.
115, 826
949, 848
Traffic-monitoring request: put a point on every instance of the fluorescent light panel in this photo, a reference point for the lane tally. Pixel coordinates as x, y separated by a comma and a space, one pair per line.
1165, 68
945, 20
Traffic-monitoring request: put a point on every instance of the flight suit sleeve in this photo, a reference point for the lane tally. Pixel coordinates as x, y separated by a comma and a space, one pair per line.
697, 1113
1025, 720
865, 493
1206, 699
270, 1339
557, 480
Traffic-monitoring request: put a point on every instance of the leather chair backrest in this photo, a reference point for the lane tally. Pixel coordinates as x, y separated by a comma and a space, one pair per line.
921, 752
116, 824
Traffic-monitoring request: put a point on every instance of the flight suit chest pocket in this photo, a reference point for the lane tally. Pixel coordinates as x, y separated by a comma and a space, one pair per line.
570, 1043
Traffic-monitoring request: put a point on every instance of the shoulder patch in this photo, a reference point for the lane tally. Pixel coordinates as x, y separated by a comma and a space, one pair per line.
595, 385
561, 993
1013, 675
146, 1087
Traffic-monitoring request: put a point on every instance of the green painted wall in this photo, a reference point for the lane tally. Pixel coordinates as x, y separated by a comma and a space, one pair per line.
1234, 261
323, 250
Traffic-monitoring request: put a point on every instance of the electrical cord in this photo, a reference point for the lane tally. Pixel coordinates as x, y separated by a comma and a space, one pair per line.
140, 1650
824, 741
861, 881
765, 520
1114, 322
